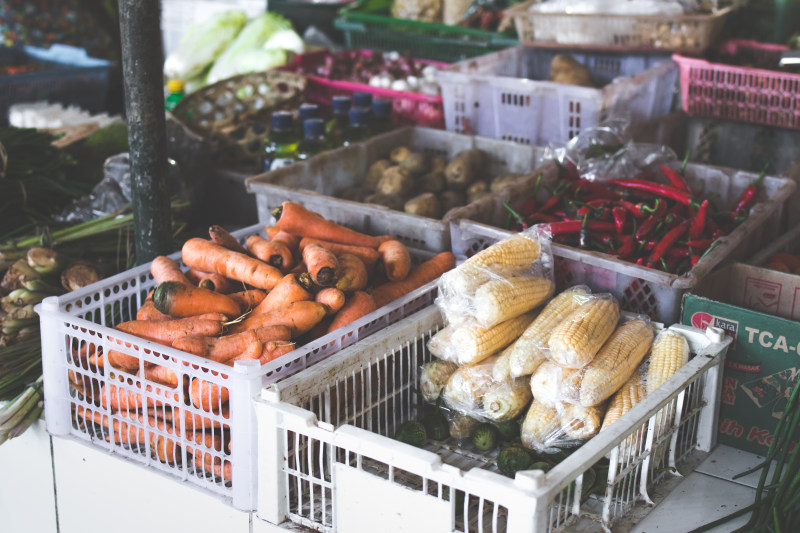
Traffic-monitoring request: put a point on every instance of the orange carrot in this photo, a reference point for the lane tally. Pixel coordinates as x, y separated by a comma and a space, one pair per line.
248, 299
161, 375
180, 300
220, 236
299, 268
321, 263
292, 288
166, 331
221, 349
359, 304
299, 317
396, 260
209, 257
296, 219
165, 269
208, 396
273, 253
790, 260
332, 298
352, 274
269, 351
212, 464
778, 265
367, 255
148, 310
291, 240
183, 418
252, 351
320, 329
419, 276
212, 281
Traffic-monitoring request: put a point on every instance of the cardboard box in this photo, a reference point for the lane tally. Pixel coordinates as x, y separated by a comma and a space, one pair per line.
759, 308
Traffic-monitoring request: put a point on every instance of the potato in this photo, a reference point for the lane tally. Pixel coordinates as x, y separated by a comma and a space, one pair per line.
478, 189
399, 154
501, 181
565, 69
431, 182
375, 173
356, 193
451, 199
464, 168
416, 163
392, 201
424, 205
437, 164
396, 180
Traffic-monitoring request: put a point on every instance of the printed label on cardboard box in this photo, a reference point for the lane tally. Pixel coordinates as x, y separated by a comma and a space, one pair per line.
762, 295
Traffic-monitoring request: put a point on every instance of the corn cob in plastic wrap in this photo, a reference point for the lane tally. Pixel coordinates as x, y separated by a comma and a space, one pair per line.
669, 353
631, 393
575, 341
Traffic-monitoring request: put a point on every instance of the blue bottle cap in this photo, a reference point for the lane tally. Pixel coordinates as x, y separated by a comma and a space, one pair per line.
362, 99
307, 111
340, 104
359, 116
382, 108
314, 127
281, 120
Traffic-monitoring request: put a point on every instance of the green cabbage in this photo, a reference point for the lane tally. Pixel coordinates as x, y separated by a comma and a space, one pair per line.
285, 40
257, 60
251, 39
203, 43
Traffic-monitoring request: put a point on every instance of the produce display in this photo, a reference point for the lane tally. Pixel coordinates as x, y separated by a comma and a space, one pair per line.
543, 376
253, 301
427, 186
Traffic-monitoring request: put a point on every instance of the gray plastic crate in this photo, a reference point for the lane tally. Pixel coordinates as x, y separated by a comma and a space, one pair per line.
313, 182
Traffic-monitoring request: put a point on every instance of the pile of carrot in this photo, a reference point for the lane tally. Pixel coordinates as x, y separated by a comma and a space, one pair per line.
785, 262
256, 301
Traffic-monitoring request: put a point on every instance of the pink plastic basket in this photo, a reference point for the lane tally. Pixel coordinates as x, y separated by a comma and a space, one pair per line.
409, 108
749, 94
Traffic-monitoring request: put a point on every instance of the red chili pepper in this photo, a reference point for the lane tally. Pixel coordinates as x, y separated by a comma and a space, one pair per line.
668, 240
655, 188
679, 251
620, 218
597, 190
517, 218
748, 196
570, 171
540, 218
675, 178
627, 248
528, 207
566, 227
699, 243
647, 226
695, 259
640, 261
699, 221
550, 203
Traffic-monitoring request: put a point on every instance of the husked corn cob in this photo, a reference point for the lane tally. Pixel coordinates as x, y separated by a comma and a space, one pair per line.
433, 378
540, 427
631, 393
502, 370
505, 400
577, 339
513, 254
440, 342
498, 300
580, 422
615, 362
552, 383
528, 352
670, 352
473, 343
467, 385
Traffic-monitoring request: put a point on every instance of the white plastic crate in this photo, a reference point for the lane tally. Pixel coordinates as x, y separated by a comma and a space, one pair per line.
328, 461
639, 289
505, 94
313, 182
86, 317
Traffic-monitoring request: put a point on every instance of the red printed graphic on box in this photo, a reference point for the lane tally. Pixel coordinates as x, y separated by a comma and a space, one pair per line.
795, 308
731, 427
729, 390
772, 391
762, 295
764, 437
703, 320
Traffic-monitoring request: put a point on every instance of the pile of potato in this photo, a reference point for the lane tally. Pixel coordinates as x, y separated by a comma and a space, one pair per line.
426, 186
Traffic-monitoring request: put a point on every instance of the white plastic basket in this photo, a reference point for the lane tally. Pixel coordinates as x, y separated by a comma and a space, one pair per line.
505, 94
312, 183
87, 316
639, 289
328, 461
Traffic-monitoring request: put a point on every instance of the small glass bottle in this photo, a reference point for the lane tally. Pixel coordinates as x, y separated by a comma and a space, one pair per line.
381, 117
314, 140
336, 126
305, 112
177, 90
281, 145
358, 129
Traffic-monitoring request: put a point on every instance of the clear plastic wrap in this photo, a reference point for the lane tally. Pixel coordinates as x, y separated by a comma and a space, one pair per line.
471, 343
548, 428
553, 384
505, 400
433, 376
606, 151
632, 392
509, 278
465, 388
575, 341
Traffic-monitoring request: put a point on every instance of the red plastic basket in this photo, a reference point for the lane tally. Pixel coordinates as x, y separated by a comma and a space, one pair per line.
408, 108
749, 94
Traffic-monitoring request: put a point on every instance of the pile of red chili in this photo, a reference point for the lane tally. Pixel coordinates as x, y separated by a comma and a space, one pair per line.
654, 219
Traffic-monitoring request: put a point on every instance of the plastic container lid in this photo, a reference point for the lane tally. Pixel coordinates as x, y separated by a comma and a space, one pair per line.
314, 127
359, 116
281, 120
382, 108
340, 104
175, 86
307, 111
362, 99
